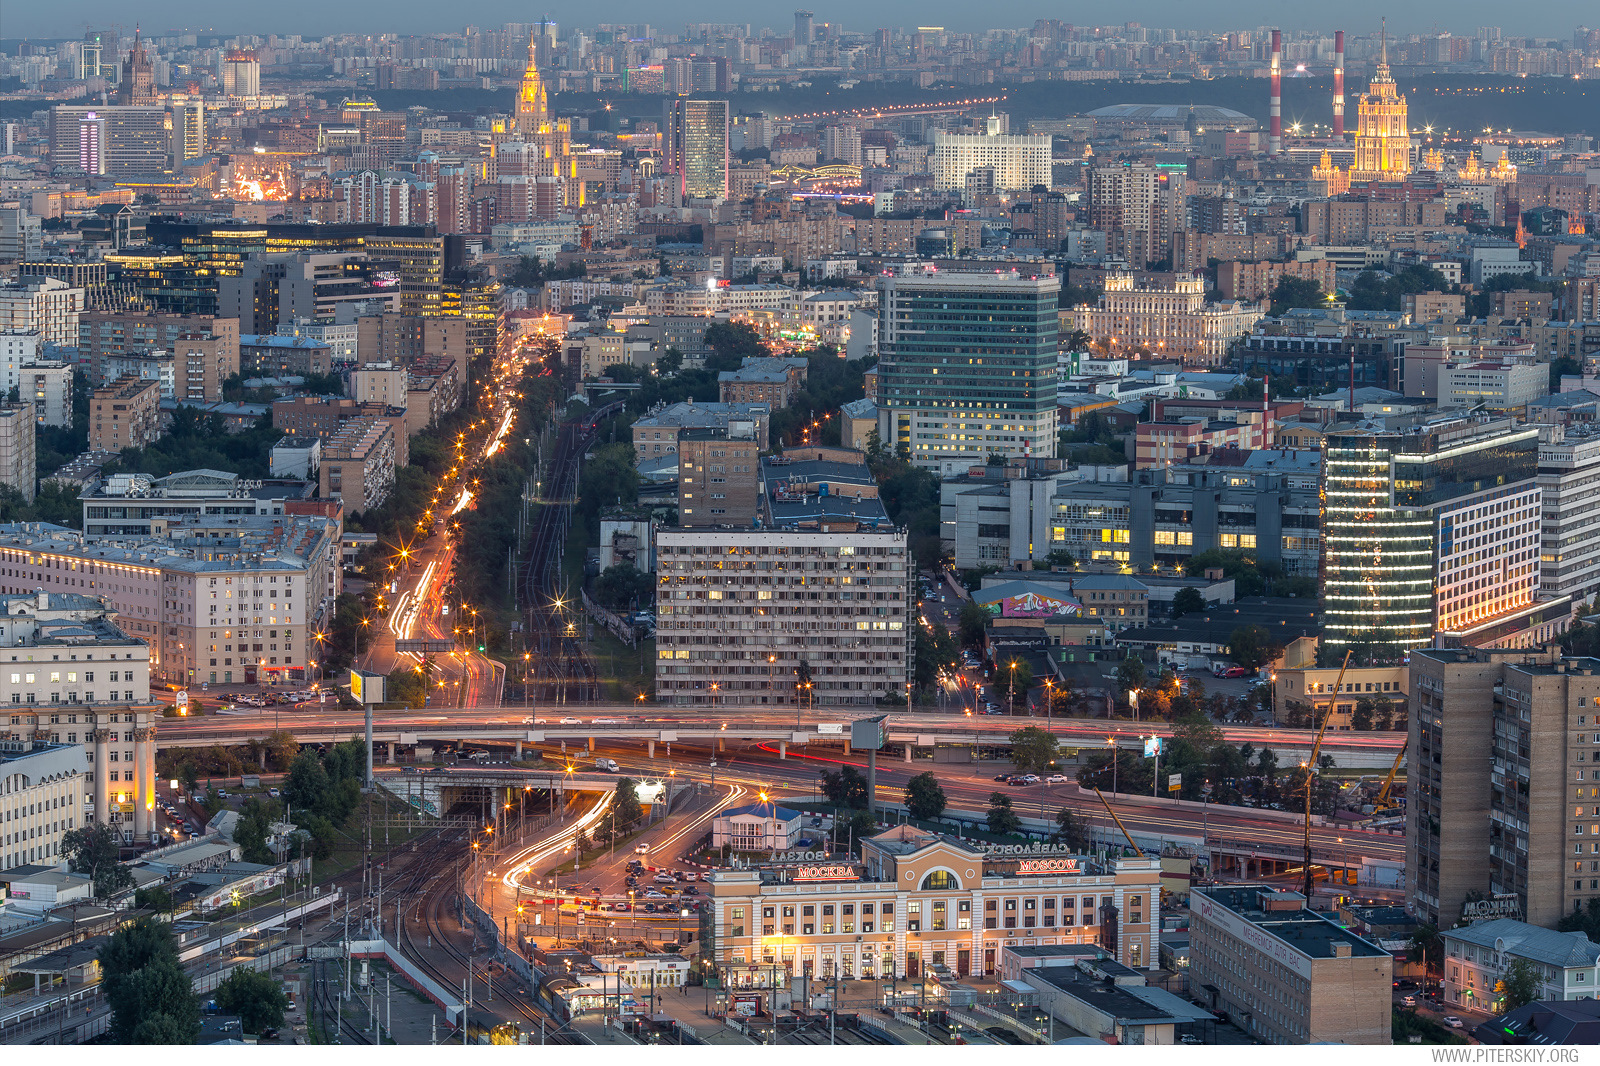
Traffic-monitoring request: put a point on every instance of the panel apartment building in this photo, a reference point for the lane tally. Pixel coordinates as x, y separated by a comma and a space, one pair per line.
739, 610
967, 367
1497, 740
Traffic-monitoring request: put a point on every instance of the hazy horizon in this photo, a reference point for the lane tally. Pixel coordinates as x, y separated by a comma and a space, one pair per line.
410, 17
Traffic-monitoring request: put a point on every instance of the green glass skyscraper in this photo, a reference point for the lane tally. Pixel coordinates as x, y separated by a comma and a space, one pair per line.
967, 365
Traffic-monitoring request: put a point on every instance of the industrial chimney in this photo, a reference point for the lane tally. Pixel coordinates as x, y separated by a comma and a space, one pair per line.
1338, 85
1275, 121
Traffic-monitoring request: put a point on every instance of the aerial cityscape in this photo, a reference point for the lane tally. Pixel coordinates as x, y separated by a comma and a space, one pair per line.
834, 532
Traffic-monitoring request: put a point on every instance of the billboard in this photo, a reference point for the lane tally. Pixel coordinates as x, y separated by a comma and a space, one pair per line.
367, 687
1035, 605
1152, 746
867, 733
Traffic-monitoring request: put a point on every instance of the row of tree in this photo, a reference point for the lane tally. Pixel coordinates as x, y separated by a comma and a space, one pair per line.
152, 997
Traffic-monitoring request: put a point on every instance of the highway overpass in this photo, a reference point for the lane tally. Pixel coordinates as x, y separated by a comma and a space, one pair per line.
647, 727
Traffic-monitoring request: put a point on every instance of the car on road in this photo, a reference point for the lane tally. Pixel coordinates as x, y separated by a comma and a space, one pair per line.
1057, 779
664, 878
534, 721
623, 907
1452, 1021
571, 721
273, 792
408, 769
642, 849
1028, 779
648, 908
1408, 1001
1004, 777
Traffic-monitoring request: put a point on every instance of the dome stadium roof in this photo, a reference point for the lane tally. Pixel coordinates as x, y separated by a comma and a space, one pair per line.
1163, 113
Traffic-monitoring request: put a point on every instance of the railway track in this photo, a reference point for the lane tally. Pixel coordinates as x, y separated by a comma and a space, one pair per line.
419, 902
325, 1007
562, 670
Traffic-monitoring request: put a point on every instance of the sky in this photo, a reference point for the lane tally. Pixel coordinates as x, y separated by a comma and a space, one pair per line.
23, 19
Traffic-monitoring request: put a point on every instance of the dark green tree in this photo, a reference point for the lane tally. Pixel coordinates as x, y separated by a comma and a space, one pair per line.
1131, 674
669, 362
255, 996
845, 787
1187, 601
142, 981
1012, 680
152, 899
925, 797
1002, 819
94, 850
974, 622
1296, 292
1070, 830
1518, 986
620, 586
1253, 646
1033, 750
625, 804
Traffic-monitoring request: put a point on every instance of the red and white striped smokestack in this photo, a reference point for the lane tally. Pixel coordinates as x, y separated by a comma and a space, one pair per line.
1275, 118
1338, 84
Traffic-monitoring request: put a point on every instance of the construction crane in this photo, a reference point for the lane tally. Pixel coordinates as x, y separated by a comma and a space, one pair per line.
1114, 818
1379, 804
1311, 769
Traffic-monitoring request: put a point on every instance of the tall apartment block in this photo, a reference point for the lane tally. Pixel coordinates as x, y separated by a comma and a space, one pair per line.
739, 611
967, 367
125, 414
1529, 720
17, 436
1432, 525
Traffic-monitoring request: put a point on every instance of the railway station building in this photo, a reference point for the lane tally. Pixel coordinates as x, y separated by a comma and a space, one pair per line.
918, 901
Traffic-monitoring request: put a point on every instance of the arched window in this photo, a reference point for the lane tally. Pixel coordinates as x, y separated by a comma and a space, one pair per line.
940, 880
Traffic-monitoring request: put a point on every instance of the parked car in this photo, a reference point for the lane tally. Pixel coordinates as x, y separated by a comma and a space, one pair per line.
1409, 1001
1452, 1021
273, 792
690, 890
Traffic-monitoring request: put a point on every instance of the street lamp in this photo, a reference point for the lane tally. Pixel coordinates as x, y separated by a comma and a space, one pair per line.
1011, 690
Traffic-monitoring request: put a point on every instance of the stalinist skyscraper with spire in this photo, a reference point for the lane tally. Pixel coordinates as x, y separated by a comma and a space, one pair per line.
1383, 140
548, 140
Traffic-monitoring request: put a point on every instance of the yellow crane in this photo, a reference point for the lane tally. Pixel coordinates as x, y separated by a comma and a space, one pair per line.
1311, 769
1379, 805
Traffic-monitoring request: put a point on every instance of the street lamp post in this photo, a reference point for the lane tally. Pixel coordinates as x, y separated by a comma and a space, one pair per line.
1011, 690
1049, 699
1112, 741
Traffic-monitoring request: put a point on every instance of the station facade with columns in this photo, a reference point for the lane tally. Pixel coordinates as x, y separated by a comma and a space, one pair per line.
918, 900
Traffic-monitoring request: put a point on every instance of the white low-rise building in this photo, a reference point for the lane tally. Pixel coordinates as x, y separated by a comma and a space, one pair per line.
756, 827
1477, 956
42, 796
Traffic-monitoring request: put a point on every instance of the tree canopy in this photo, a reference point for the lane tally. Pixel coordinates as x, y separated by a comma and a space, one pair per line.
152, 999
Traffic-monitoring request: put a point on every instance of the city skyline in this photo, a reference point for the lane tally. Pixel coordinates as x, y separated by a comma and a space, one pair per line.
416, 19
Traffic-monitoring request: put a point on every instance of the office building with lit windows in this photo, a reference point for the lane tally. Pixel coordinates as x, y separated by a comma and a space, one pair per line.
967, 366
918, 900
1432, 525
697, 147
